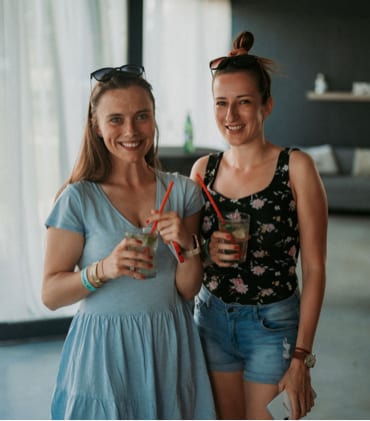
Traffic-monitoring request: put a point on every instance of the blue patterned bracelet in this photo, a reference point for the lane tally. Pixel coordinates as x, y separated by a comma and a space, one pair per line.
85, 280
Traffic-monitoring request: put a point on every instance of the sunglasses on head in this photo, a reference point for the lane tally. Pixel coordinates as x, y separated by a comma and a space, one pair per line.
238, 62
106, 73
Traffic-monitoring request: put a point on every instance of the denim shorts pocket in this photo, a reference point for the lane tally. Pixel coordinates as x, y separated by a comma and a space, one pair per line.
202, 317
199, 303
279, 316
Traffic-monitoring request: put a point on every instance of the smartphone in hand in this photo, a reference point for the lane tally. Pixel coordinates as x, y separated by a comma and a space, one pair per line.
280, 408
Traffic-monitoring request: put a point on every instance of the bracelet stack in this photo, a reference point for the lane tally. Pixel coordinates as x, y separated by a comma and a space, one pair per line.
91, 273
94, 276
85, 280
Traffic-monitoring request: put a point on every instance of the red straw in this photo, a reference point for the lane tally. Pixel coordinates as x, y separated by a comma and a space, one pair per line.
163, 204
220, 217
154, 226
178, 251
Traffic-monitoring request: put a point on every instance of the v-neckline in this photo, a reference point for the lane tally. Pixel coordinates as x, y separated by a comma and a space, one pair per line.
121, 215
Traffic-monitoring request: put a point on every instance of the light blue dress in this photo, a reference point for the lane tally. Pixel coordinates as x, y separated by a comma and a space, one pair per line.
133, 350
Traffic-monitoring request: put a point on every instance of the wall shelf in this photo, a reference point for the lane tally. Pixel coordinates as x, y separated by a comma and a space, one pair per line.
337, 96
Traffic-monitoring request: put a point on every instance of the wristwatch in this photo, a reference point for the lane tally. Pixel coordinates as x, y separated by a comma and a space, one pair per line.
308, 358
196, 250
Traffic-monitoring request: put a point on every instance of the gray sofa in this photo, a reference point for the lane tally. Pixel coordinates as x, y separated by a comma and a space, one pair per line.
346, 192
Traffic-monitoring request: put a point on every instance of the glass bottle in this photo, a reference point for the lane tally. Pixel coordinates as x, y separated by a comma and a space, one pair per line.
321, 84
188, 135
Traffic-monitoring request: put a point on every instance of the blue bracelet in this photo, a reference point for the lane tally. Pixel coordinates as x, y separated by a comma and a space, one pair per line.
85, 280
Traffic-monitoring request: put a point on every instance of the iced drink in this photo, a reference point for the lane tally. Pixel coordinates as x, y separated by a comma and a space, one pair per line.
237, 224
148, 240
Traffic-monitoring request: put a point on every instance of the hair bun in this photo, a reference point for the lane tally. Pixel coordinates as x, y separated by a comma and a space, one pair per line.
244, 41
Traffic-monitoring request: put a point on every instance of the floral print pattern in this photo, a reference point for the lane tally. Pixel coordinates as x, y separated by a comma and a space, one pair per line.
269, 273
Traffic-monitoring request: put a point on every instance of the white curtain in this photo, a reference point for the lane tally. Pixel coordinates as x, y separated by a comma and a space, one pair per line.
48, 49
180, 38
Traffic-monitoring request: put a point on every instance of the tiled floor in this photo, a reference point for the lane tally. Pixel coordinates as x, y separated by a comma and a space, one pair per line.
27, 374
341, 377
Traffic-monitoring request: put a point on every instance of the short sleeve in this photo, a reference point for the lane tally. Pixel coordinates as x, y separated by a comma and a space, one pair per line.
67, 211
194, 200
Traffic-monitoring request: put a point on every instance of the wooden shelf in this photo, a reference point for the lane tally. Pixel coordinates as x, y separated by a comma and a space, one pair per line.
337, 96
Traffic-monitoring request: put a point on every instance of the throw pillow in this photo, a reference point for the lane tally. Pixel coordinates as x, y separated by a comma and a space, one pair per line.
324, 158
361, 161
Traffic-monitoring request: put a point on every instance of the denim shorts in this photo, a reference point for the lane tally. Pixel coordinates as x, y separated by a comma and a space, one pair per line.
256, 339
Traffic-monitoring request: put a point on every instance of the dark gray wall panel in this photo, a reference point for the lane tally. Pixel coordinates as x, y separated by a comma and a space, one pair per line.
307, 37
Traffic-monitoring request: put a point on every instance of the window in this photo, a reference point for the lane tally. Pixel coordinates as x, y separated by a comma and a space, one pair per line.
180, 38
48, 49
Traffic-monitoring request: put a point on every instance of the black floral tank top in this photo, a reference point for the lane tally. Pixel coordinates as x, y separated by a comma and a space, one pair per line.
269, 272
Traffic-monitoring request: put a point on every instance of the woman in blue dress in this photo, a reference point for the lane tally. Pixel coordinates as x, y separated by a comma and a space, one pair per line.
132, 350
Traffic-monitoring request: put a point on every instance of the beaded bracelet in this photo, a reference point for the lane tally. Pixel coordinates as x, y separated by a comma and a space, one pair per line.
85, 280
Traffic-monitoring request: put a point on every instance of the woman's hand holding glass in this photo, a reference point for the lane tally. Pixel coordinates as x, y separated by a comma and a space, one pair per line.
222, 249
126, 260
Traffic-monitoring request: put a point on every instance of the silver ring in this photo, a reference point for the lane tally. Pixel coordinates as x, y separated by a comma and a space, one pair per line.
132, 268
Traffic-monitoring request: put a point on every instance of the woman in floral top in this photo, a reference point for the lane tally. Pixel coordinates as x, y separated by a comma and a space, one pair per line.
257, 326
